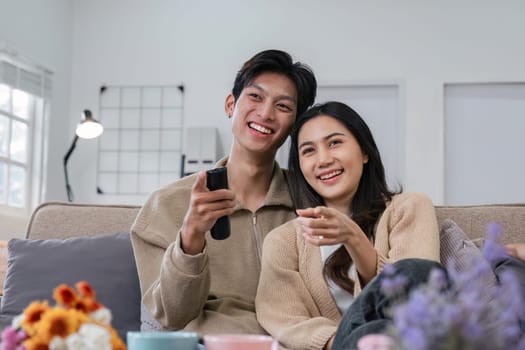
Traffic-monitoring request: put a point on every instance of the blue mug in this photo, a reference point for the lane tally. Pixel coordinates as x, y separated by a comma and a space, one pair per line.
179, 340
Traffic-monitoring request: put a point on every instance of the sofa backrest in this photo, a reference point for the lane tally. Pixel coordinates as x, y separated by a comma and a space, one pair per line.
63, 220
473, 219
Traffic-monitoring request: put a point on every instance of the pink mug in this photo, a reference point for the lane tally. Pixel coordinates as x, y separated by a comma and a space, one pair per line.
239, 342
375, 342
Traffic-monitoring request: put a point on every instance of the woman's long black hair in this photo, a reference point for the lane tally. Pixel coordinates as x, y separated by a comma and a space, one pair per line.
371, 196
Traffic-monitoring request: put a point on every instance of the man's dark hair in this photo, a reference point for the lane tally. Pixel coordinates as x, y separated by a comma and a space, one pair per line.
280, 62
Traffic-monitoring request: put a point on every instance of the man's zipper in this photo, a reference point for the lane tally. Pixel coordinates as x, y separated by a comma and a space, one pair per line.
258, 238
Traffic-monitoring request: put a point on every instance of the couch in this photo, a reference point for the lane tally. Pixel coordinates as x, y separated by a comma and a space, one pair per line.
66, 243
79, 224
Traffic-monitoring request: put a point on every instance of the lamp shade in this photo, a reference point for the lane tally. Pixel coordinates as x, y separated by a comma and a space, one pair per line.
89, 127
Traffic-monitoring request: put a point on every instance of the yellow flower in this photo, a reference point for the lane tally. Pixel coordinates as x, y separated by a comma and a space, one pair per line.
58, 322
32, 314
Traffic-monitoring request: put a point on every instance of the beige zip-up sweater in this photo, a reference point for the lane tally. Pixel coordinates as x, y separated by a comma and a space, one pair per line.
293, 301
211, 292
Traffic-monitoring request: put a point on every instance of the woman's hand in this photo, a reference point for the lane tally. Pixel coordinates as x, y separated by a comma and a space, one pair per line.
328, 226
205, 208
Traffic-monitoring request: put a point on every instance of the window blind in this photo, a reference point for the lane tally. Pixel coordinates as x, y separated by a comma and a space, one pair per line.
34, 81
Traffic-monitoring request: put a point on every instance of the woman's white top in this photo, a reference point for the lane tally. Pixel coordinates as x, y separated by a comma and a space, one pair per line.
342, 298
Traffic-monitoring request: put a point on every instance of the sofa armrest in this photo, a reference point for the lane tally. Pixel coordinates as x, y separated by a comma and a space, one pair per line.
3, 265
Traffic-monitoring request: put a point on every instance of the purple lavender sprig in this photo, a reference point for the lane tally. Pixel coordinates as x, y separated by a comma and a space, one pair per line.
393, 285
493, 251
469, 314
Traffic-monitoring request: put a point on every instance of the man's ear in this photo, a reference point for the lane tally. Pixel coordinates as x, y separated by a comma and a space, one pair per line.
229, 105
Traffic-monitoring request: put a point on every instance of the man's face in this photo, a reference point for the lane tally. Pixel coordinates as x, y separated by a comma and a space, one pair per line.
264, 113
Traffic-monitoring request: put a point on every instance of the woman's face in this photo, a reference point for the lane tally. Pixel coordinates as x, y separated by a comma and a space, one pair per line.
331, 160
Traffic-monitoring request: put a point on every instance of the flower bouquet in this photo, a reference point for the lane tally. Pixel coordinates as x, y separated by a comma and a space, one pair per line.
77, 321
459, 311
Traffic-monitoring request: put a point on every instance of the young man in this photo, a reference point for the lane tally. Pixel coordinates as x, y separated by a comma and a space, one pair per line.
189, 280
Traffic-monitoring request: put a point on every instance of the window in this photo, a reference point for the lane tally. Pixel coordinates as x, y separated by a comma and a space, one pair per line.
24, 93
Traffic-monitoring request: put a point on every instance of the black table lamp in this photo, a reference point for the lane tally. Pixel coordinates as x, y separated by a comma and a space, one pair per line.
88, 128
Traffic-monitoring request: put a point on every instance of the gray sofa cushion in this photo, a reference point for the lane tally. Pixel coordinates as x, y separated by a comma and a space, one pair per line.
36, 267
456, 248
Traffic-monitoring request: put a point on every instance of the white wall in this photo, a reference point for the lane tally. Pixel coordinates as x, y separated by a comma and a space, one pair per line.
423, 44
484, 143
41, 31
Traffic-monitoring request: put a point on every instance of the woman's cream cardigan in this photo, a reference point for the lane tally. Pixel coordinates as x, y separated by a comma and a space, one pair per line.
293, 301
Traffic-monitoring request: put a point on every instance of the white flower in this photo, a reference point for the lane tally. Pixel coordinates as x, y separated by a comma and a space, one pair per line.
74, 341
57, 343
95, 337
102, 315
17, 321
89, 337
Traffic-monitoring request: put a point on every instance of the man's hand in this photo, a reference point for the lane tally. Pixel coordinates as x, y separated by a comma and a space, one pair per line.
205, 208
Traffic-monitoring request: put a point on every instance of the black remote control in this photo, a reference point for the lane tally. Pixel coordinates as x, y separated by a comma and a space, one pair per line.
216, 179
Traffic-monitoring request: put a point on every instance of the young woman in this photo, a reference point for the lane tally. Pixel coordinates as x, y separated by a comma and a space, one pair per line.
349, 226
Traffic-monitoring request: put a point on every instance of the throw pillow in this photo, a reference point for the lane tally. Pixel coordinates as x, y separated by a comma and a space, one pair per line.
36, 267
148, 322
457, 249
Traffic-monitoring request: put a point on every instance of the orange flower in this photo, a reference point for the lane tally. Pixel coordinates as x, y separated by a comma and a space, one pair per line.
87, 305
79, 316
35, 343
65, 295
32, 314
85, 290
42, 323
82, 306
117, 344
58, 322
